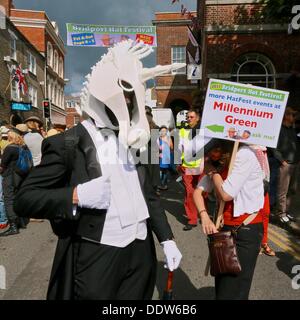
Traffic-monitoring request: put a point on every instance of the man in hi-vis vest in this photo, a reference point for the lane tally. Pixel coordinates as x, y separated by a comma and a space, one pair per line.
190, 170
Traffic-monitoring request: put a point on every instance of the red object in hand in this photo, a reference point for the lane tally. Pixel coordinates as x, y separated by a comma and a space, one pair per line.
168, 293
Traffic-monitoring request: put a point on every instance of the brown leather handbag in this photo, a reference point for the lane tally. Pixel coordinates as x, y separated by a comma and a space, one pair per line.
222, 250
223, 254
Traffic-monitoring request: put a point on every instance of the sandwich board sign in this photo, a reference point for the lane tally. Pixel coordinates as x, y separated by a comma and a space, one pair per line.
244, 113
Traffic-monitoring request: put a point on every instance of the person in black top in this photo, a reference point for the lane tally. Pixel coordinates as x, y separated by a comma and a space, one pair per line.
287, 154
9, 158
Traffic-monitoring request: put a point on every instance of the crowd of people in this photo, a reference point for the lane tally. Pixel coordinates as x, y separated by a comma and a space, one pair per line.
262, 182
16, 142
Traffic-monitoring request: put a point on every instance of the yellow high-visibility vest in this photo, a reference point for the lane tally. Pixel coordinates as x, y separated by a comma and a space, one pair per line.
184, 134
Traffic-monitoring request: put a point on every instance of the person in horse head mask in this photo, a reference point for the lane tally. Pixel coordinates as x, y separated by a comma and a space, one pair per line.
102, 206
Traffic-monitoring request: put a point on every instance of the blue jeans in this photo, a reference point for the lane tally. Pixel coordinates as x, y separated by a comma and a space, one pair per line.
3, 218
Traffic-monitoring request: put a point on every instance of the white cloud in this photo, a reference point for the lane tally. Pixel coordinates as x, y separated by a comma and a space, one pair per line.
111, 12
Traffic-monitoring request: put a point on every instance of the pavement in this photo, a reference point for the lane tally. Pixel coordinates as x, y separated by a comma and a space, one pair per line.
27, 258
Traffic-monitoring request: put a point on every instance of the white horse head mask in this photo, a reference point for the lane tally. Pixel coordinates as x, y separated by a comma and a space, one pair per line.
117, 77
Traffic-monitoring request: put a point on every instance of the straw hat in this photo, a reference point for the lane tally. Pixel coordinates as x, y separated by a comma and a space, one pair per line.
52, 132
4, 131
22, 127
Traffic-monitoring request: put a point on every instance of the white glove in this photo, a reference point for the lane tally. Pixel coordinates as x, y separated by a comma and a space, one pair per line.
94, 194
173, 255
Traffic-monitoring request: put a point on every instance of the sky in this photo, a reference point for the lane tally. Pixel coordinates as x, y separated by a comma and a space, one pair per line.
79, 60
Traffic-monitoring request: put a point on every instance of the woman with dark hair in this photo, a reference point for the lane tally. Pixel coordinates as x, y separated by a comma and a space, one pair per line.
243, 192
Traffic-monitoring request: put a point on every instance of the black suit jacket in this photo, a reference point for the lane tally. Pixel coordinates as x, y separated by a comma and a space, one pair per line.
48, 191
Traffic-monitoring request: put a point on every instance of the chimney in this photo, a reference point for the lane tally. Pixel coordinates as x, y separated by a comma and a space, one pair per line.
7, 5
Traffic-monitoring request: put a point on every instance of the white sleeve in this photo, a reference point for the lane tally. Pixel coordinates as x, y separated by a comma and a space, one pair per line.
205, 184
242, 168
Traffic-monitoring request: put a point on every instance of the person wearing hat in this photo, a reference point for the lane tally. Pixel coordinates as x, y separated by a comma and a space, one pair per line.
3, 138
23, 128
34, 139
34, 123
3, 145
8, 164
287, 154
107, 40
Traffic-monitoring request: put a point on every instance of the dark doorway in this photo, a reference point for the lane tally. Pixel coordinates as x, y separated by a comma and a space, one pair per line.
178, 105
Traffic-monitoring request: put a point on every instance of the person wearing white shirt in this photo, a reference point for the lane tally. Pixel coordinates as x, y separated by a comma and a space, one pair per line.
243, 192
111, 208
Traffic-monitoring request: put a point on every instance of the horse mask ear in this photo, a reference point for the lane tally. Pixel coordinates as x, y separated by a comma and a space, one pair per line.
119, 72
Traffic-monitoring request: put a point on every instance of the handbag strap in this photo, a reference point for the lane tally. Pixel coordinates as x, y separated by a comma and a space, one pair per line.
246, 221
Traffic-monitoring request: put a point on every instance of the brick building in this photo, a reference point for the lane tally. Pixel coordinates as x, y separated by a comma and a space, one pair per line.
16, 50
240, 47
236, 46
44, 35
173, 90
72, 116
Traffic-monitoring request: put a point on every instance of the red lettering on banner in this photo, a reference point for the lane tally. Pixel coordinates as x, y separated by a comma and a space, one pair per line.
240, 122
145, 38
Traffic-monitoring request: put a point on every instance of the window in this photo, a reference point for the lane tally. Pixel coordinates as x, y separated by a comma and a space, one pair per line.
62, 99
179, 55
52, 93
70, 104
32, 91
55, 94
13, 48
256, 69
55, 62
31, 62
61, 67
49, 54
49, 89
76, 120
15, 92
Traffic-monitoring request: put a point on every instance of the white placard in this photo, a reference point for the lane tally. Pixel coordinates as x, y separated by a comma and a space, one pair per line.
249, 114
194, 71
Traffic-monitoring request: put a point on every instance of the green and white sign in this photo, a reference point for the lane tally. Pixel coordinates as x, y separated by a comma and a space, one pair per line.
250, 114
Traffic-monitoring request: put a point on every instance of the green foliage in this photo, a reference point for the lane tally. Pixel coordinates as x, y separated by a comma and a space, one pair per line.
278, 10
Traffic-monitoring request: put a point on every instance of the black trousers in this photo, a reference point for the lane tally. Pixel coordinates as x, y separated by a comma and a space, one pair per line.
237, 287
104, 272
8, 197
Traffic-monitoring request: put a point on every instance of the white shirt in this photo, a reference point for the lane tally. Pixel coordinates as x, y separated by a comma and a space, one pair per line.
34, 141
126, 217
244, 184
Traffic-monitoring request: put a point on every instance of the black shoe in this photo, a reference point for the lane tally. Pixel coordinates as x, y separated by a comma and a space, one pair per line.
283, 221
22, 223
163, 187
189, 227
13, 229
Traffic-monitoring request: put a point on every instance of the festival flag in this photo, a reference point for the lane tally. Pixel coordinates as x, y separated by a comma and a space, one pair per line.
191, 59
18, 76
197, 56
192, 38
